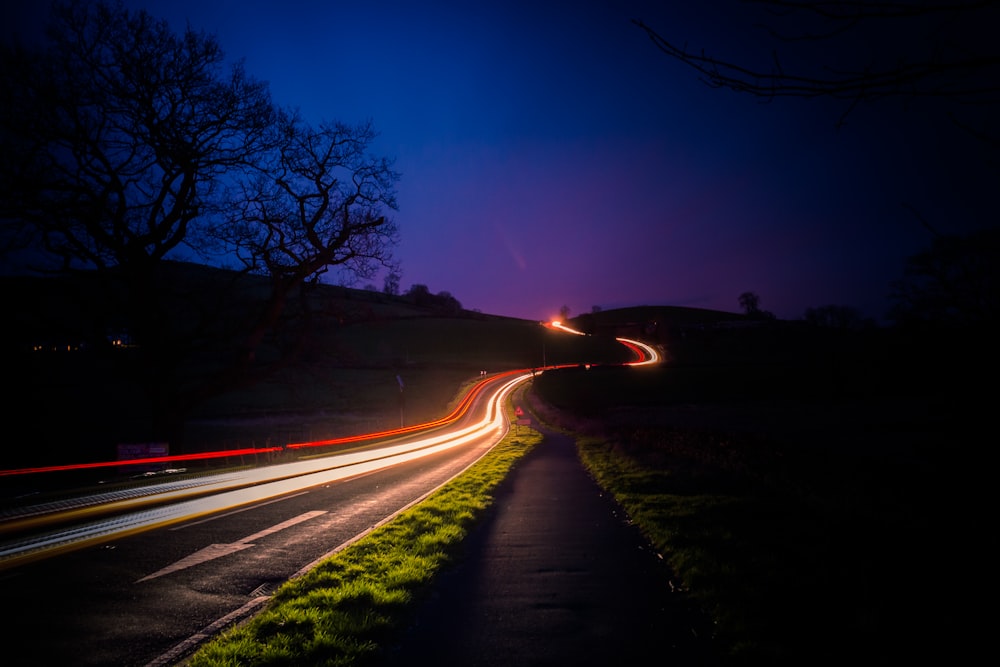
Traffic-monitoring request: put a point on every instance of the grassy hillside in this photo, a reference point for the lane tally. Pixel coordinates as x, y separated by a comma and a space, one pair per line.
350, 385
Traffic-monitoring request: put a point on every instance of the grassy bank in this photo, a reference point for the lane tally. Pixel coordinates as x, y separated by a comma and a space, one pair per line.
338, 612
814, 527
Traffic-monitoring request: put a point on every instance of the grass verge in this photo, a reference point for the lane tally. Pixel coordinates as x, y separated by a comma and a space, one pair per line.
800, 552
340, 611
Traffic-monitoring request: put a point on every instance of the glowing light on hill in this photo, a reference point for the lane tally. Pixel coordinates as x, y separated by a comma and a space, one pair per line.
556, 324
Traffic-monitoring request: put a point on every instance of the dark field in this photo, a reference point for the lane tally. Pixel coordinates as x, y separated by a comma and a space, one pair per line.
821, 493
73, 405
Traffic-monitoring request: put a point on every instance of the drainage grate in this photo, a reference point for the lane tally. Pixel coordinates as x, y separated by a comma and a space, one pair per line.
264, 590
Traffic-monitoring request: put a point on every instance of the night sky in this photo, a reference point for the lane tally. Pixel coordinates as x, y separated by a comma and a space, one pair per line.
551, 156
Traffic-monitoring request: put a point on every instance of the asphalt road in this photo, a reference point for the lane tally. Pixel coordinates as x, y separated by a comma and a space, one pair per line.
150, 597
556, 575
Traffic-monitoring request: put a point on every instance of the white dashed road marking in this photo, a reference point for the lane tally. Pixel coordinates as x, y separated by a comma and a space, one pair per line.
214, 551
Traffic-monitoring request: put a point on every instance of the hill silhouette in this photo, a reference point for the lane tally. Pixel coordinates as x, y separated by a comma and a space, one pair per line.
68, 349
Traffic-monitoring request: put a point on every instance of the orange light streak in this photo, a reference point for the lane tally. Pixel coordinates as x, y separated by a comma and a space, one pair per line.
457, 413
556, 324
645, 355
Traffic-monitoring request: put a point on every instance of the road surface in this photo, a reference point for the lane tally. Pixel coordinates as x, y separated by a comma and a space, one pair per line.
135, 590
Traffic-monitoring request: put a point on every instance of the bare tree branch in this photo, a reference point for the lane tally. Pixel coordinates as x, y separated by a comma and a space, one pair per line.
122, 143
932, 66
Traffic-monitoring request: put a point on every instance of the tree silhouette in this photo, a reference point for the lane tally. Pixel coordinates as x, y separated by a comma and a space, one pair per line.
938, 58
860, 51
124, 145
442, 302
953, 283
835, 316
750, 303
390, 284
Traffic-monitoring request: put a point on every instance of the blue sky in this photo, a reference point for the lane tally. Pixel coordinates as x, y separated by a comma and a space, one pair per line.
551, 156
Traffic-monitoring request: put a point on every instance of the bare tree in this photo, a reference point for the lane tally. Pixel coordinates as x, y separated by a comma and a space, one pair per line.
317, 201
941, 57
116, 136
860, 51
124, 145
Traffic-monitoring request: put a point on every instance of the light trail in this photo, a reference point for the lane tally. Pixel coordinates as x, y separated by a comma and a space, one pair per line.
157, 505
138, 514
647, 354
556, 324
455, 415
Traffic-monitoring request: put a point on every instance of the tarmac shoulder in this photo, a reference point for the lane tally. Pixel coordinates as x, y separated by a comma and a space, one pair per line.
554, 575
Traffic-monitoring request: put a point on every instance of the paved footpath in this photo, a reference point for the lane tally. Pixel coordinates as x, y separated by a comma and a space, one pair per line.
553, 576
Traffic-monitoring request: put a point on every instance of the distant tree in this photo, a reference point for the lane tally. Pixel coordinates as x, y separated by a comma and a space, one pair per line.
837, 317
750, 303
390, 284
419, 295
442, 302
123, 145
954, 282
448, 304
564, 312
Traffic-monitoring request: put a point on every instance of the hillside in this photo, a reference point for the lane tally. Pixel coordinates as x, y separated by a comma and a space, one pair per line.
78, 399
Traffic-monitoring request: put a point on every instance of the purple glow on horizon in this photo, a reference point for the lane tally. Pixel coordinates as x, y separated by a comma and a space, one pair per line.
553, 157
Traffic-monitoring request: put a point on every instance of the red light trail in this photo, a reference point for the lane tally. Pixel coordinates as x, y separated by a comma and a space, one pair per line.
644, 354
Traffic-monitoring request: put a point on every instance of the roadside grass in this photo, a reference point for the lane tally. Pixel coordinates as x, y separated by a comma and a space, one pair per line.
844, 540
717, 543
338, 612
809, 531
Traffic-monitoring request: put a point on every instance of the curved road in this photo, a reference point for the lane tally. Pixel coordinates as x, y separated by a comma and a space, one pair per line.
145, 583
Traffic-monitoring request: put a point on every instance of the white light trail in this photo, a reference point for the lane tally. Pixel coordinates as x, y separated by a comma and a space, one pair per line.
653, 357
265, 483
650, 353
